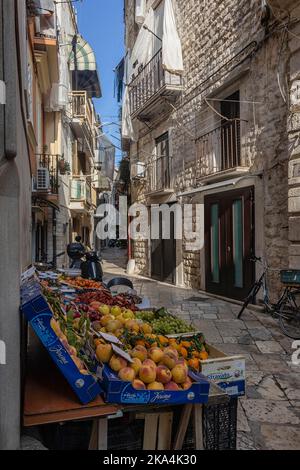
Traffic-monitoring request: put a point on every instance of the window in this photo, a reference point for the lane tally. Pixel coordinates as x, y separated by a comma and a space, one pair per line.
162, 162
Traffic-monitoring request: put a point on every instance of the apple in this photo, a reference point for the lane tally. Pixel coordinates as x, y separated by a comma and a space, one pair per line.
104, 309
105, 319
179, 374
146, 328
132, 325
172, 386
172, 350
147, 374
128, 314
150, 363
156, 355
163, 374
115, 311
72, 350
155, 386
187, 384
117, 363
169, 359
96, 306
104, 353
136, 365
140, 352
138, 385
127, 374
113, 325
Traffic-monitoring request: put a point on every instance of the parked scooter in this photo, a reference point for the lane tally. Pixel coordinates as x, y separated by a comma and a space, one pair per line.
88, 262
91, 268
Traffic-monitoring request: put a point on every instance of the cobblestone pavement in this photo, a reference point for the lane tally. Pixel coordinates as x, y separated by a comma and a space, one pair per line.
269, 415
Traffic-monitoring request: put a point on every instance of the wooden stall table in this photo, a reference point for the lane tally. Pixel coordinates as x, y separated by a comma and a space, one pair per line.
48, 399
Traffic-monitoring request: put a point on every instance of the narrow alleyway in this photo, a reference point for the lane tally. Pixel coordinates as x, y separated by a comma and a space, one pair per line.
269, 416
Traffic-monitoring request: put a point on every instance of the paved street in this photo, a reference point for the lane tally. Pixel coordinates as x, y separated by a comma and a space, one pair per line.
269, 416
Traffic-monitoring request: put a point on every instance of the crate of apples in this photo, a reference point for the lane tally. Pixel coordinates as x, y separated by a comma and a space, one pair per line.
157, 375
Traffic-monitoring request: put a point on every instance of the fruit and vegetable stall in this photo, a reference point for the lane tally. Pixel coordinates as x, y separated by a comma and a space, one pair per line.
104, 345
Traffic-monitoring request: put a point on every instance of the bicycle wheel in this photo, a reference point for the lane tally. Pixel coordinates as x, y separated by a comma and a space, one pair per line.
250, 298
289, 315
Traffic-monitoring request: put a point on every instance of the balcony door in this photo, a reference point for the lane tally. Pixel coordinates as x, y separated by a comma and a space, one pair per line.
229, 242
163, 254
231, 132
162, 163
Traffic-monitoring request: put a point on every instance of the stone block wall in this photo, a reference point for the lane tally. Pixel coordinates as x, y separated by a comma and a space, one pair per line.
225, 48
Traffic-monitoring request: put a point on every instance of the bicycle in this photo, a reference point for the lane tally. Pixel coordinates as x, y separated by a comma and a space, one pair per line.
287, 308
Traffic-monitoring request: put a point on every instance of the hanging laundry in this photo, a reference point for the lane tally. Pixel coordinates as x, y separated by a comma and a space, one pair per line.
140, 11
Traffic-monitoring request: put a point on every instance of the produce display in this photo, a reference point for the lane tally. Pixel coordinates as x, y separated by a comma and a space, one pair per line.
163, 365
147, 358
81, 283
163, 323
104, 297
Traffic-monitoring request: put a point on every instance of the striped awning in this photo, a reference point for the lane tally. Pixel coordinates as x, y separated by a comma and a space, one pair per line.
82, 63
84, 58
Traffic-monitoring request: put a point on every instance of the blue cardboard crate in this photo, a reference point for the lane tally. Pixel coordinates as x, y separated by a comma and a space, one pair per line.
290, 276
120, 392
38, 313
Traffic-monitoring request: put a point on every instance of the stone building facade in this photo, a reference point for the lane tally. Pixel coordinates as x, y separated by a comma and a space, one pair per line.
233, 141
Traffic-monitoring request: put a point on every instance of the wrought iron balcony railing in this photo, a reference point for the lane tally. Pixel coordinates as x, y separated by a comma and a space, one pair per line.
47, 173
220, 149
159, 174
82, 111
152, 80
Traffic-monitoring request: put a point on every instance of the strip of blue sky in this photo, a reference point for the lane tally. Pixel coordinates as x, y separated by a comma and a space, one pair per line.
101, 24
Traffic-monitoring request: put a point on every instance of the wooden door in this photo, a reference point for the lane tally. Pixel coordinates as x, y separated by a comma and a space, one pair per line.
229, 242
163, 254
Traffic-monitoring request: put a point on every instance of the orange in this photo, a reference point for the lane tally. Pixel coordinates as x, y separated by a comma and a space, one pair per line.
203, 355
183, 352
185, 344
194, 363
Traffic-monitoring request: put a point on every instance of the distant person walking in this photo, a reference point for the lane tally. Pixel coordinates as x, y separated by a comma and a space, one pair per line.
75, 252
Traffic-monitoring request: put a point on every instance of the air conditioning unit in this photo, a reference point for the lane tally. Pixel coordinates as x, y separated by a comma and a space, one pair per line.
138, 170
42, 179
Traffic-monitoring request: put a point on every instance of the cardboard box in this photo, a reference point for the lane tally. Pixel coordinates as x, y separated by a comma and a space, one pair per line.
38, 313
228, 372
117, 391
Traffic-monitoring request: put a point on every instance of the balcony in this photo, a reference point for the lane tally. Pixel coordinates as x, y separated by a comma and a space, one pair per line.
159, 176
151, 87
219, 152
46, 179
82, 119
81, 193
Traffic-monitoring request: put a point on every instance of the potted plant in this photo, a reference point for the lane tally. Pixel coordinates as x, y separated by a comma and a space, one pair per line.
64, 167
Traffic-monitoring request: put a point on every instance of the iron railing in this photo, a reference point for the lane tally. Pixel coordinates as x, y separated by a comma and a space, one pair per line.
150, 80
81, 108
50, 163
220, 149
159, 173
